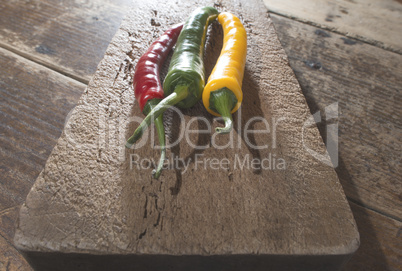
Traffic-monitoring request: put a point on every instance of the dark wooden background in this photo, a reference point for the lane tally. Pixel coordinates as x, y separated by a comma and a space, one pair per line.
49, 50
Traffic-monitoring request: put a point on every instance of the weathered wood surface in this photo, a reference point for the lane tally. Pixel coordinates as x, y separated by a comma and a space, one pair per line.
378, 232
254, 213
366, 83
69, 37
381, 244
34, 103
32, 114
369, 178
10, 258
375, 22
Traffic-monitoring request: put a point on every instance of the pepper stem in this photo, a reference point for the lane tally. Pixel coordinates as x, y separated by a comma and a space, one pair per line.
161, 135
222, 101
180, 93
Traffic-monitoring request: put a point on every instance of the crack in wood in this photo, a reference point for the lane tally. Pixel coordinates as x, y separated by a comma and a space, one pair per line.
142, 234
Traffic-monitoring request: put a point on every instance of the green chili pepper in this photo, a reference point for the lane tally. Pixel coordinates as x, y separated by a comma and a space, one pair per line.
185, 79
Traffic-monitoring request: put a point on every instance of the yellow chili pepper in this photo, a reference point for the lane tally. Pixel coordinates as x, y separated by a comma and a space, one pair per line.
222, 95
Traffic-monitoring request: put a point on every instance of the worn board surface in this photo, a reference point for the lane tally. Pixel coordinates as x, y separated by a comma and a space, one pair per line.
34, 102
375, 22
32, 114
380, 247
88, 200
330, 68
69, 36
366, 83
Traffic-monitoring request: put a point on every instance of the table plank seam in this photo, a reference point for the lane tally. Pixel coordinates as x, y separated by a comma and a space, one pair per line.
43, 63
373, 209
359, 38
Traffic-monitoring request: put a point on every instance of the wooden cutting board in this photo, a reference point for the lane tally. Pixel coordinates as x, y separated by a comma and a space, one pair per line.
265, 197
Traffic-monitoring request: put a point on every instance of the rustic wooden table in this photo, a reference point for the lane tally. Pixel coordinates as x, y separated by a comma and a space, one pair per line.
49, 51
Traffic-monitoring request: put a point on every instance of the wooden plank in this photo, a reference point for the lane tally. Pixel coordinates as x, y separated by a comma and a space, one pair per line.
67, 36
366, 83
8, 220
375, 22
34, 103
10, 258
88, 201
381, 244
379, 239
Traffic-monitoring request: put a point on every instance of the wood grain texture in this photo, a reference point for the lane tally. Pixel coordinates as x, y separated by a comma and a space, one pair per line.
8, 219
366, 83
88, 200
381, 244
67, 36
33, 113
10, 258
376, 22
370, 256
34, 103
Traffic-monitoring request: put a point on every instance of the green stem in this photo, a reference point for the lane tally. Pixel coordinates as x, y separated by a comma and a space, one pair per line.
180, 93
161, 135
223, 101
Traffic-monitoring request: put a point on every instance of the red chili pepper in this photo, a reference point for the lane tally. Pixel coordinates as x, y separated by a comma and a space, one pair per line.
147, 84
